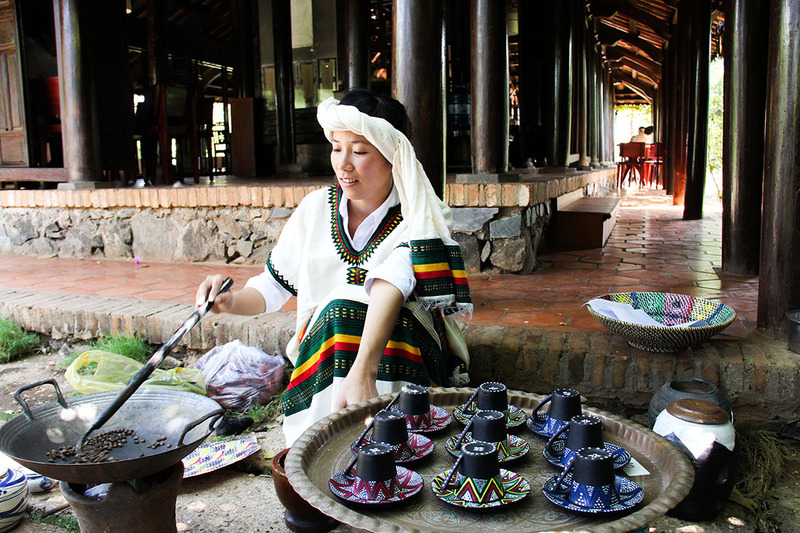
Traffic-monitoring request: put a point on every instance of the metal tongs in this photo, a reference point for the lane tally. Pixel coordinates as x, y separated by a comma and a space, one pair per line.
156, 359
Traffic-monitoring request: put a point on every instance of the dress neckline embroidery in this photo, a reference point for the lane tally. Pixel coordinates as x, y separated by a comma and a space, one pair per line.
344, 248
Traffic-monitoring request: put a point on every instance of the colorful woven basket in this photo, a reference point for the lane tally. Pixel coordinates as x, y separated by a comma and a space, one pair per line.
669, 309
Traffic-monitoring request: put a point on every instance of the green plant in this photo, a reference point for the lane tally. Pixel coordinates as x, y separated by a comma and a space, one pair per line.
16, 342
133, 347
261, 414
65, 520
715, 124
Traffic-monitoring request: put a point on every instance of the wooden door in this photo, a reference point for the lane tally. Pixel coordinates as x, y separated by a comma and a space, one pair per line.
13, 143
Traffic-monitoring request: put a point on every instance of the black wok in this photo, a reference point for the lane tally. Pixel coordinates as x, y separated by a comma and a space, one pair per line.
150, 412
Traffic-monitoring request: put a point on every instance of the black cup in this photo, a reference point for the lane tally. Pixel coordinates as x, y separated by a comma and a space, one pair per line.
489, 426
592, 467
390, 427
593, 479
584, 431
375, 462
414, 400
564, 404
478, 460
492, 396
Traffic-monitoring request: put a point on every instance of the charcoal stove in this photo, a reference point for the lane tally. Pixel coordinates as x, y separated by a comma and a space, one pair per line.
146, 504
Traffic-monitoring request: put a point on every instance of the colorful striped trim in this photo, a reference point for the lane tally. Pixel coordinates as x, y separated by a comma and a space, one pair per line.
343, 247
280, 279
439, 270
331, 345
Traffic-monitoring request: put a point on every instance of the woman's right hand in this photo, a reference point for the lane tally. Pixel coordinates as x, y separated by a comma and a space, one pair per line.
209, 291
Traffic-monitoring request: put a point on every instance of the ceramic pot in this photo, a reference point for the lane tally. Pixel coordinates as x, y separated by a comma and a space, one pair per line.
704, 433
13, 497
38, 483
677, 389
299, 515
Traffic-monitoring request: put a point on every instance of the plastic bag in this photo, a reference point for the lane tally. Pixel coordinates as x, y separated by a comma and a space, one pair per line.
240, 376
113, 371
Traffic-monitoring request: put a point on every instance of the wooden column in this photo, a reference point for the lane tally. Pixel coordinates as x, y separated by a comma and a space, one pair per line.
746, 50
608, 118
418, 79
284, 81
591, 96
674, 114
489, 78
112, 89
529, 85
557, 91
698, 108
356, 72
79, 111
579, 84
157, 35
601, 110
243, 16
779, 277
682, 69
664, 92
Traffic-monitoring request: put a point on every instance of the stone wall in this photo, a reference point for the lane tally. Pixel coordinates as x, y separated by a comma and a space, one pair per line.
223, 234
499, 226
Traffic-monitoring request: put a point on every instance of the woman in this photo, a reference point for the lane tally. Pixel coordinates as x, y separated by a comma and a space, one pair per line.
376, 273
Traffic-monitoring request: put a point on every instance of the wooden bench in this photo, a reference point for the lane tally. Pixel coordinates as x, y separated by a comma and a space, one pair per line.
585, 222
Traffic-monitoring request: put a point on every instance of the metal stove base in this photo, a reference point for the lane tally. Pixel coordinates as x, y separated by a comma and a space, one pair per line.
146, 504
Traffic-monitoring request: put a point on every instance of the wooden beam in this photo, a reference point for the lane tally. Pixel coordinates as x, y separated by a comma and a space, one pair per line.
615, 53
660, 27
637, 76
636, 86
611, 36
624, 61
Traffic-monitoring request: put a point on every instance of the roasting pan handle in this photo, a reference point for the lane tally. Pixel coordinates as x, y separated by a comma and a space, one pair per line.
24, 404
217, 414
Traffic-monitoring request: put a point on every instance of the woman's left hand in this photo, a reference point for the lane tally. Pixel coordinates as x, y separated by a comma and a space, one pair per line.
355, 388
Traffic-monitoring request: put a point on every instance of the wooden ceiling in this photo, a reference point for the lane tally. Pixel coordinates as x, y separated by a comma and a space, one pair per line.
632, 35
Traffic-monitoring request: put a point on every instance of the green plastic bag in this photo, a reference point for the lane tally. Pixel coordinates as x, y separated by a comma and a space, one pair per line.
113, 372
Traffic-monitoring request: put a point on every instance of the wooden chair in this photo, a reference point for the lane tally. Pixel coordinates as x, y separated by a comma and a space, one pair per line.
653, 163
631, 165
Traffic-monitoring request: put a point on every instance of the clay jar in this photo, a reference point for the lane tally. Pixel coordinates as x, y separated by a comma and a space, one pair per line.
677, 389
299, 516
704, 433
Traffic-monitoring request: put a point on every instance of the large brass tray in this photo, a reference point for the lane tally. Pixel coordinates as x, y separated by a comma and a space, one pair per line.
325, 449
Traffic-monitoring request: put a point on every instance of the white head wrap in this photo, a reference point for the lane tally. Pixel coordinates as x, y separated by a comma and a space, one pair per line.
427, 216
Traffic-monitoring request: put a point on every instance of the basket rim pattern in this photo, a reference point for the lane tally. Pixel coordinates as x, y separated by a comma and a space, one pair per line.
662, 338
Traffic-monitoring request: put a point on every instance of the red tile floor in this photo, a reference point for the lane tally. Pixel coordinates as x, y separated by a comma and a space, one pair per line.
650, 249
